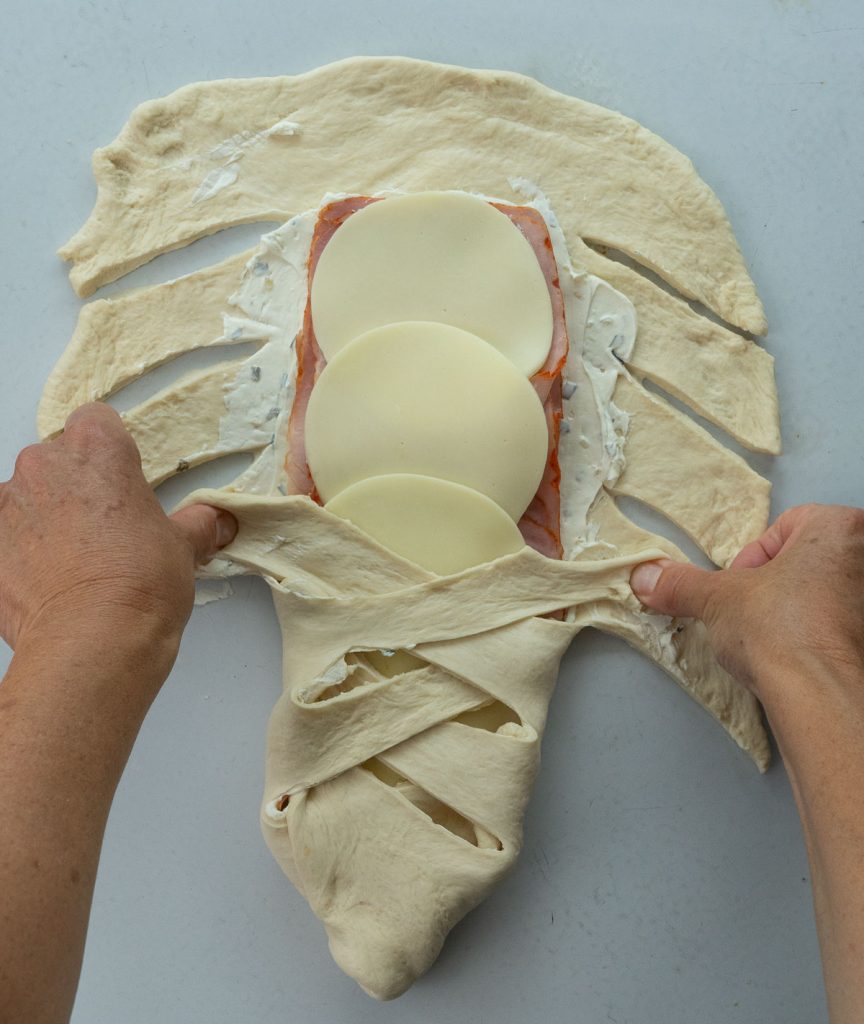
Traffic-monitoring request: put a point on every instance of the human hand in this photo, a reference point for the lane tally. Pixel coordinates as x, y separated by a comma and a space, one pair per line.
797, 591
85, 548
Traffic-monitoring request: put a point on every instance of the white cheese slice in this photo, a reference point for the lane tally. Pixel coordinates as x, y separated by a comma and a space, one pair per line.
443, 256
430, 399
438, 525
393, 663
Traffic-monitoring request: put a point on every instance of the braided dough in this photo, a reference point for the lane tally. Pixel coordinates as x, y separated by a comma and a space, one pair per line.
394, 801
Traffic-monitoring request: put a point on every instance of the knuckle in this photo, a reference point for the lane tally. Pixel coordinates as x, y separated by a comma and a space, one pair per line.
94, 420
855, 518
673, 582
90, 429
811, 522
805, 515
836, 522
29, 459
99, 426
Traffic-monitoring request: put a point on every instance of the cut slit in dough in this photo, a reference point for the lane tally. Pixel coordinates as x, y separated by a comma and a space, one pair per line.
393, 663
438, 812
441, 256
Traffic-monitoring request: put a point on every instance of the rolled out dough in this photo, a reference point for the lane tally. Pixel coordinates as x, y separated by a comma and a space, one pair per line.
394, 800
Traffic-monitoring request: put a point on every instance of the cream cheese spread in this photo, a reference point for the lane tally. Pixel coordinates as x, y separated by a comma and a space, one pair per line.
271, 299
228, 154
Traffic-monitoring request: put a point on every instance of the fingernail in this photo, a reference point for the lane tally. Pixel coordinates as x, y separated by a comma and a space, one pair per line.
644, 578
226, 528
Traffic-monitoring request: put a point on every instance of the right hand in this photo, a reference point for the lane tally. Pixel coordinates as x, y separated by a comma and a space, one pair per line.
795, 593
85, 549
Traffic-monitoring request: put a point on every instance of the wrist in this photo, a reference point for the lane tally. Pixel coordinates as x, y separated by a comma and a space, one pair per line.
812, 698
114, 648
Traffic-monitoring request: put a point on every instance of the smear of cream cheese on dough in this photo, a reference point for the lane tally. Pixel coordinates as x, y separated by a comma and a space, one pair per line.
209, 590
271, 299
601, 325
608, 339
229, 152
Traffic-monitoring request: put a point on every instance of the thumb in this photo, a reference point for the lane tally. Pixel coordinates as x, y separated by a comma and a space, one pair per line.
206, 528
673, 588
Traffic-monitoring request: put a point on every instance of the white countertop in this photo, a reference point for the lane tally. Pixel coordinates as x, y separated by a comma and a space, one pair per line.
663, 880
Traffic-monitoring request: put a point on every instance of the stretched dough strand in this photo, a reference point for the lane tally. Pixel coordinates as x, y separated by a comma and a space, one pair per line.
691, 663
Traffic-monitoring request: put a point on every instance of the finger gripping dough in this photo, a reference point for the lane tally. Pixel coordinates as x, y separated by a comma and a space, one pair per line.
429, 399
442, 256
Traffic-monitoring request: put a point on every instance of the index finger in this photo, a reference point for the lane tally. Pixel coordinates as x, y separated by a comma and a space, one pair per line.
92, 415
97, 425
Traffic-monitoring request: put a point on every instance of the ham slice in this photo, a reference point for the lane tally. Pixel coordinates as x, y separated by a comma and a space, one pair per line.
310, 358
541, 523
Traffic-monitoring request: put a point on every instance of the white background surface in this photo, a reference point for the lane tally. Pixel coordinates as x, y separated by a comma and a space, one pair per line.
662, 879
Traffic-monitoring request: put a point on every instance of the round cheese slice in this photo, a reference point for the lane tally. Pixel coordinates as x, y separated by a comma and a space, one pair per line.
428, 399
443, 256
438, 525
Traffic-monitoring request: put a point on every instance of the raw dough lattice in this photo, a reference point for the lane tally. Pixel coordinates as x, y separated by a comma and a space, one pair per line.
395, 804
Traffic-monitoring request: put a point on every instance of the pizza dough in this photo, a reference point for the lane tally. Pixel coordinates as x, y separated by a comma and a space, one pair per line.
431, 399
442, 256
396, 783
